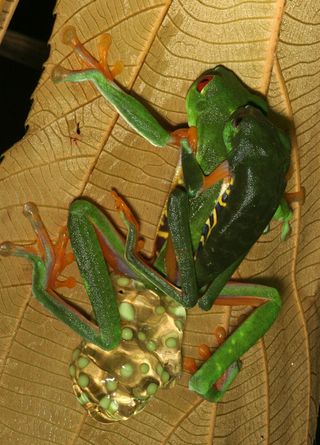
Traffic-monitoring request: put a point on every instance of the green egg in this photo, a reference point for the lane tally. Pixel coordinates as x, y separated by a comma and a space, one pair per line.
113, 407
160, 310
152, 388
75, 354
111, 385
72, 370
83, 362
151, 345
165, 377
126, 311
83, 380
171, 342
141, 336
127, 334
126, 370
105, 402
144, 368
123, 281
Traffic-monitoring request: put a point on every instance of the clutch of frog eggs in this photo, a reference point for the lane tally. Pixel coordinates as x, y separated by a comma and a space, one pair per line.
114, 385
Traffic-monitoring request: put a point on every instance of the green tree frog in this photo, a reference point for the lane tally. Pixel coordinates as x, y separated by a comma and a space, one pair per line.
234, 163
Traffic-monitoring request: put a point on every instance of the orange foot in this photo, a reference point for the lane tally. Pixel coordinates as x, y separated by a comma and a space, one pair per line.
189, 364
123, 207
54, 255
70, 38
185, 133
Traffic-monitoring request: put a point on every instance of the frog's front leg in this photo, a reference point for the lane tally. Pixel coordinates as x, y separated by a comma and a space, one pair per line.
89, 229
133, 111
284, 213
268, 303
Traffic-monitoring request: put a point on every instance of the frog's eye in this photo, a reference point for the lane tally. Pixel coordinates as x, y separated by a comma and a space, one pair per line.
236, 121
203, 82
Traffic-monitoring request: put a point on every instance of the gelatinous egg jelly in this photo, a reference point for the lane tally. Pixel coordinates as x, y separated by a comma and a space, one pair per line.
114, 385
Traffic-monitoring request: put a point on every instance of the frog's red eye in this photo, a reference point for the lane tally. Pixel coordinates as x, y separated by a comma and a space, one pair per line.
203, 83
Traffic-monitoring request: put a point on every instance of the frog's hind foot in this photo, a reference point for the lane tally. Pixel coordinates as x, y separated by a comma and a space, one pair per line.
52, 255
220, 387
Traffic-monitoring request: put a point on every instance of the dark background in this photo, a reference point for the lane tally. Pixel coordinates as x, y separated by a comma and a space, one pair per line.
22, 54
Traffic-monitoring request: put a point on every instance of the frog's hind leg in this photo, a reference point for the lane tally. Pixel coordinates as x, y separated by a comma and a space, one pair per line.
220, 387
47, 264
267, 303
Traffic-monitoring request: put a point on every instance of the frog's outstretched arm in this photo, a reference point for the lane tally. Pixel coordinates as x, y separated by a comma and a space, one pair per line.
88, 227
242, 339
134, 112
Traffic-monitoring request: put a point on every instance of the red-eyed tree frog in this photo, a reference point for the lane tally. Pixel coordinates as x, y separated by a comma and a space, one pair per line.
234, 163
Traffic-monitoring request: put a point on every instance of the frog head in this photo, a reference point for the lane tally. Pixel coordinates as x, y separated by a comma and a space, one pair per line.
211, 100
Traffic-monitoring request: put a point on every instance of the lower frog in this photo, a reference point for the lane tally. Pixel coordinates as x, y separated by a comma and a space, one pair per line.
201, 278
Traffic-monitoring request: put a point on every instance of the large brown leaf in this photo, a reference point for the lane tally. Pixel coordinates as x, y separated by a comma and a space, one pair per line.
165, 45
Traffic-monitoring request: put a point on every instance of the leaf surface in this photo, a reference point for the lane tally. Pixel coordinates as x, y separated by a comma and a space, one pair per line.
164, 46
